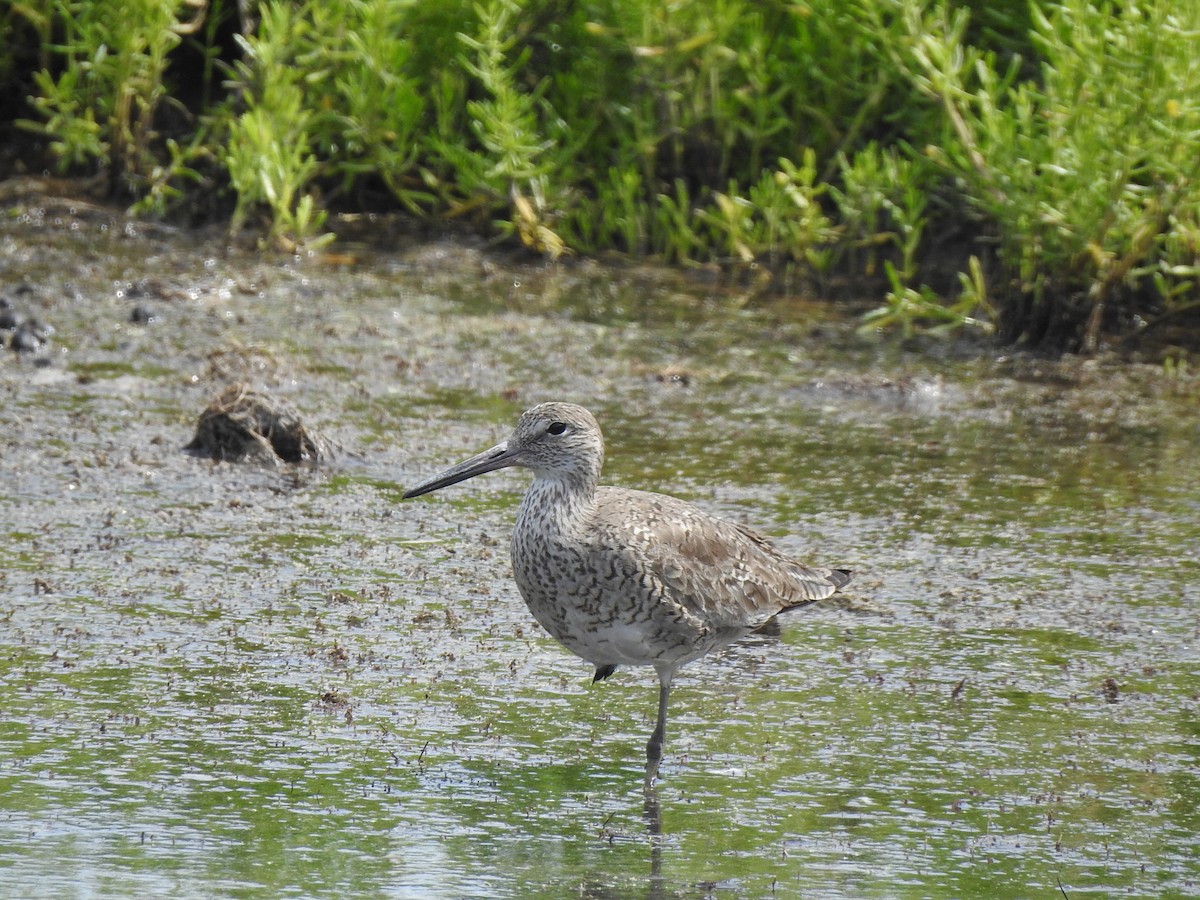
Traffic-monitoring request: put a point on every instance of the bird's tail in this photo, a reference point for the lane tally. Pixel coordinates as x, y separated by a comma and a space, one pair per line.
839, 578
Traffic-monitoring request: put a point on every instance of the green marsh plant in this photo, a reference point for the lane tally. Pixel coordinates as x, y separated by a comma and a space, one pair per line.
506, 169
882, 204
98, 96
778, 220
1085, 172
1049, 146
324, 93
370, 109
268, 152
692, 104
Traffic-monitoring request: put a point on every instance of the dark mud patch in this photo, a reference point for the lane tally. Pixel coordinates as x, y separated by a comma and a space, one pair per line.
242, 424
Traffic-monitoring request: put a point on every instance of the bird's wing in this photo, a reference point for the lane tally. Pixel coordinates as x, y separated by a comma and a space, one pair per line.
726, 574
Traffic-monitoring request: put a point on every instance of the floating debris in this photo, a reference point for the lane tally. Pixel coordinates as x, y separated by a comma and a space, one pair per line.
243, 424
27, 335
9, 319
1111, 690
142, 314
26, 340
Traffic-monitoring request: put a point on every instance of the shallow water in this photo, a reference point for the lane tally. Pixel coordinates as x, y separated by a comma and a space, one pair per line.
243, 681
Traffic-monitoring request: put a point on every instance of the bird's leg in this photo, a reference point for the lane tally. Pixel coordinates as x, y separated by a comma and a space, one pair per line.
654, 748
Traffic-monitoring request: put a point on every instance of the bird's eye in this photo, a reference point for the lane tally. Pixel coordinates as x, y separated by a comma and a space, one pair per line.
556, 428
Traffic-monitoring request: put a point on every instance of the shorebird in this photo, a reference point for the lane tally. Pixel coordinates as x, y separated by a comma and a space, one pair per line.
631, 578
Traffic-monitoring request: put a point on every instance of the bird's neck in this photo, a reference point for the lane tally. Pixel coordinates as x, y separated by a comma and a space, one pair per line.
557, 503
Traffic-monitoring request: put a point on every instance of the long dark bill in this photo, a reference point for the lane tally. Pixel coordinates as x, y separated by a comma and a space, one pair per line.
498, 457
